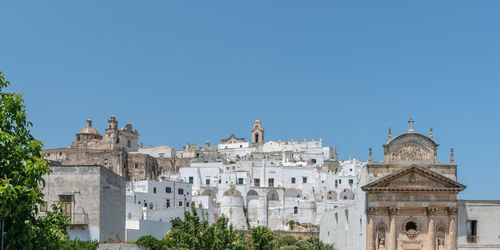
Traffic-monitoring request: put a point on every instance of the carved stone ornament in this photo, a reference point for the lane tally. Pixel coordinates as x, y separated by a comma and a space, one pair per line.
371, 211
411, 152
393, 210
412, 178
431, 210
452, 211
412, 234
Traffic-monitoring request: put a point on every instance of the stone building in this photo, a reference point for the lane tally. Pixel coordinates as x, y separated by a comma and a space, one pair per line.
411, 196
117, 151
92, 196
411, 203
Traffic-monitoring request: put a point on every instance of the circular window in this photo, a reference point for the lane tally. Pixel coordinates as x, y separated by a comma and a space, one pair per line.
411, 228
410, 225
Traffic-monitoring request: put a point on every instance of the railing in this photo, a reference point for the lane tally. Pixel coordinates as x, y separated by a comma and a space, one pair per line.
472, 238
79, 219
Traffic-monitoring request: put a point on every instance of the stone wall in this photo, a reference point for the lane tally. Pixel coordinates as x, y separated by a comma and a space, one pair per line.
112, 209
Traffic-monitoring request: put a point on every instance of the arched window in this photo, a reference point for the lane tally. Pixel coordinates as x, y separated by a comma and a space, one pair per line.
129, 144
256, 138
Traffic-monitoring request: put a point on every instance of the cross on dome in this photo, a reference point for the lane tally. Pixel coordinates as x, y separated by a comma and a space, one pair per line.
411, 121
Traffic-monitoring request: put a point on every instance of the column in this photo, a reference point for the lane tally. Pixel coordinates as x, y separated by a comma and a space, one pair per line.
393, 234
431, 233
452, 233
370, 228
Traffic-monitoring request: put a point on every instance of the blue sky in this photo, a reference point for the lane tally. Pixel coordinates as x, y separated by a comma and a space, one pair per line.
190, 71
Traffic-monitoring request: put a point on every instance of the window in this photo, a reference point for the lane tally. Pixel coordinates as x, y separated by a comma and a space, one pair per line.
151, 206
240, 181
154, 190
67, 201
351, 181
340, 181
207, 181
168, 190
271, 182
145, 204
241, 146
472, 231
411, 225
43, 207
336, 183
313, 161
220, 181
293, 180
191, 179
168, 203
180, 191
295, 210
129, 144
304, 179
256, 182
180, 203
187, 204
136, 165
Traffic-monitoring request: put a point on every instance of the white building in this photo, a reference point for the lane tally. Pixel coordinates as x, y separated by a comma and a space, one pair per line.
93, 197
264, 192
151, 205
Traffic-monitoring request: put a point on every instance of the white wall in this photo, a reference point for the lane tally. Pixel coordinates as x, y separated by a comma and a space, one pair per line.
487, 214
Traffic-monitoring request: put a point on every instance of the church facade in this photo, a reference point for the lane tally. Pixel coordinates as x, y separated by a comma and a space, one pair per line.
408, 201
411, 196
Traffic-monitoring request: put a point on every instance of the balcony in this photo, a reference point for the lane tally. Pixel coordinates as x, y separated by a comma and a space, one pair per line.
79, 219
472, 238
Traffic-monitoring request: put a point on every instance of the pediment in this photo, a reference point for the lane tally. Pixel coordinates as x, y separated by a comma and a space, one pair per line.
414, 178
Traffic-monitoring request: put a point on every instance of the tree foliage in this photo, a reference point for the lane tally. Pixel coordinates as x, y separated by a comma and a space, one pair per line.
151, 242
196, 233
263, 238
21, 170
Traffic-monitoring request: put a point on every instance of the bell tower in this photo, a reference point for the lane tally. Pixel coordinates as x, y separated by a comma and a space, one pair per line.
111, 134
257, 133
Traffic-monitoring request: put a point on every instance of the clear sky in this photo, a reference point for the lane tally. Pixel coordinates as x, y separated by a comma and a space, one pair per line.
191, 71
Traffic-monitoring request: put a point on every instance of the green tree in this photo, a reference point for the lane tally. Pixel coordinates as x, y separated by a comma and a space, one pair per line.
263, 238
316, 244
196, 233
21, 170
150, 241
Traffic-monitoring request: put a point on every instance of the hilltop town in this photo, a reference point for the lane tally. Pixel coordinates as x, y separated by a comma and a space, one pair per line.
112, 186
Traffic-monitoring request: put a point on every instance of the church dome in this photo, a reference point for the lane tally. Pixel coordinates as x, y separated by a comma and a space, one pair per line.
89, 129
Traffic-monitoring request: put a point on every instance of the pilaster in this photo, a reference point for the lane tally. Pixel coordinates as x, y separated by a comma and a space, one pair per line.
370, 228
452, 233
393, 239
